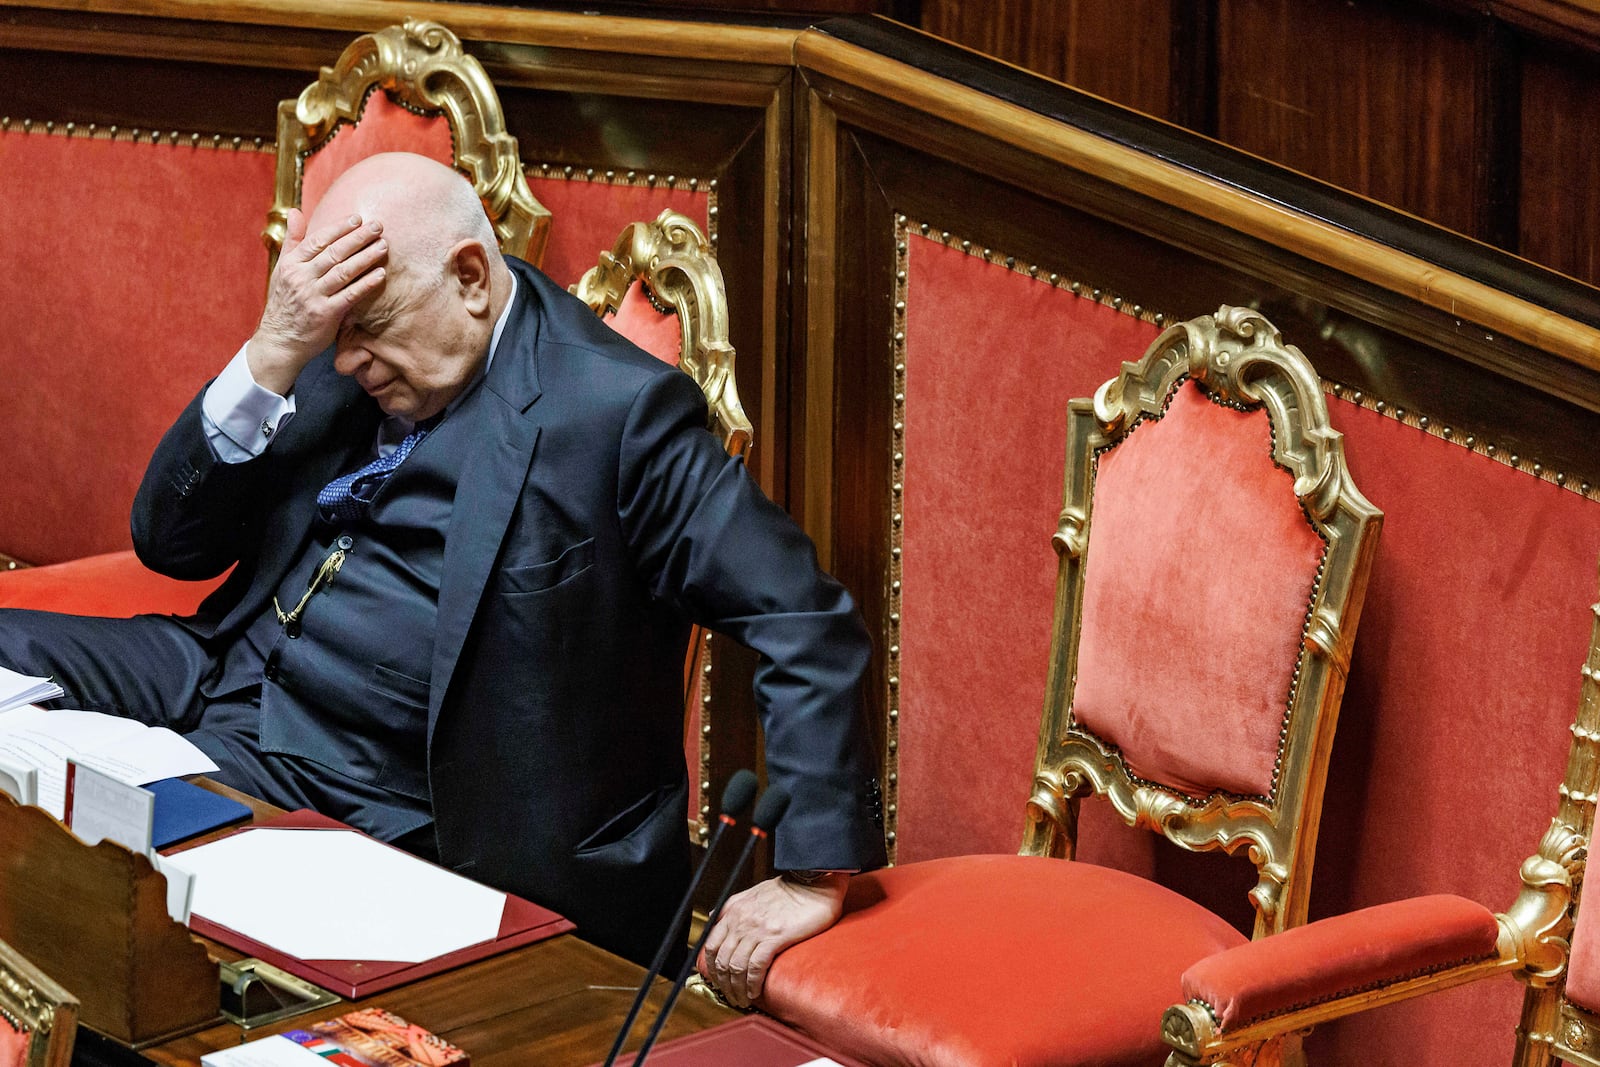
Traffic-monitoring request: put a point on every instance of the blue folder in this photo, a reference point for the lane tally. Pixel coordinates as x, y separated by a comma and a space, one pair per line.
183, 810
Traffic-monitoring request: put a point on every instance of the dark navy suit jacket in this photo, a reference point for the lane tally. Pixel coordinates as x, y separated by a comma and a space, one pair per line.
596, 519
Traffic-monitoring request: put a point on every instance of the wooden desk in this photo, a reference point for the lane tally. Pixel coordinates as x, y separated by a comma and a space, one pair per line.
556, 1003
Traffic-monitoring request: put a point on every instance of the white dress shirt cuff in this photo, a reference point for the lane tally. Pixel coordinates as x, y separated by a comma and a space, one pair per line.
239, 416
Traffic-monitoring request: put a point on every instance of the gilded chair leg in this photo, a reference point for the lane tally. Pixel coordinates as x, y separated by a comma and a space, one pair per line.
1536, 1030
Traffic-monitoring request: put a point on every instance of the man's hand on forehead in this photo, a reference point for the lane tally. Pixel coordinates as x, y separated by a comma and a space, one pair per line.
319, 278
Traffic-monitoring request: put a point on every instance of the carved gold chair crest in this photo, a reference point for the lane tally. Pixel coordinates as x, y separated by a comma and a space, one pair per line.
397, 79
1213, 556
1242, 1005
38, 1018
660, 286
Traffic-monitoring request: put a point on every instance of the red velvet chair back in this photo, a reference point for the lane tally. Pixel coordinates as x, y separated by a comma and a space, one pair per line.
405, 88
1214, 554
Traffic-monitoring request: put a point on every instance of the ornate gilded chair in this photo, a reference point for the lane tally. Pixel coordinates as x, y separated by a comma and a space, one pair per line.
405, 88
1213, 558
1239, 1005
38, 1019
660, 287
409, 88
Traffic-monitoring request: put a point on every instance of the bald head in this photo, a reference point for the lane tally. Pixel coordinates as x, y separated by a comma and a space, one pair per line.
426, 209
418, 339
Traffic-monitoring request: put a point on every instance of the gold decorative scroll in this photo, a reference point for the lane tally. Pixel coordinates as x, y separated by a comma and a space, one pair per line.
422, 67
675, 263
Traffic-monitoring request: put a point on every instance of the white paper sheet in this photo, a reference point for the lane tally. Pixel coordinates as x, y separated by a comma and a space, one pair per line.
20, 781
128, 751
273, 1051
338, 895
105, 808
19, 689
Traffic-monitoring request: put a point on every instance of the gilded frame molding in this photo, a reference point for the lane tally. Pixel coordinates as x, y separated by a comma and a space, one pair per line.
31, 1001
1241, 360
422, 67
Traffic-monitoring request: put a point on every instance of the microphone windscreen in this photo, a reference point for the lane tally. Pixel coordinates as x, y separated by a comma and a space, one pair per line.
741, 790
770, 808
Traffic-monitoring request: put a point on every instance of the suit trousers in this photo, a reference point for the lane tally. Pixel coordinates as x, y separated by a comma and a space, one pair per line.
151, 668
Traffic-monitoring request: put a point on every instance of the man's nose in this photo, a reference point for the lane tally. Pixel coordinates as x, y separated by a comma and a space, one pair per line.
348, 359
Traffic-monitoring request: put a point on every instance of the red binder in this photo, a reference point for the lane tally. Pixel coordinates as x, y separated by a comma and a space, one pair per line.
754, 1041
522, 924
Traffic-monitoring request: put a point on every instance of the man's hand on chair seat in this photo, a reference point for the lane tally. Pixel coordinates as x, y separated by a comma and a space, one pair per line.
761, 922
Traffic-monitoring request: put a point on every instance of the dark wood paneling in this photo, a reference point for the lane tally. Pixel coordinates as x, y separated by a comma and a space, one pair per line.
1118, 49
1380, 99
1560, 222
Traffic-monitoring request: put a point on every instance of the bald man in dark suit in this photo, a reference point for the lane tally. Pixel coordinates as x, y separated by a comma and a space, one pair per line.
470, 528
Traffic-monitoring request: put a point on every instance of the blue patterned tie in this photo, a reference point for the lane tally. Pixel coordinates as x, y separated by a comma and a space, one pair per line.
346, 499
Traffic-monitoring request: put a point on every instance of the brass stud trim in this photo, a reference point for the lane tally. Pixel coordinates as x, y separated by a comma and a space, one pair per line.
1108, 298
634, 179
1472, 442
892, 701
92, 131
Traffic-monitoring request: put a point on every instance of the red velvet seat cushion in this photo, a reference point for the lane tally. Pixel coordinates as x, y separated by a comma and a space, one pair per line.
1338, 956
114, 585
1009, 961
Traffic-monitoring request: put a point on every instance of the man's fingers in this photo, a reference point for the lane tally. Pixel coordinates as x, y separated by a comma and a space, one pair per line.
315, 244
348, 248
733, 981
362, 287
296, 231
755, 971
342, 276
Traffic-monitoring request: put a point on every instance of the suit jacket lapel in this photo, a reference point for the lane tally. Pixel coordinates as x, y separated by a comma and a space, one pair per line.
506, 427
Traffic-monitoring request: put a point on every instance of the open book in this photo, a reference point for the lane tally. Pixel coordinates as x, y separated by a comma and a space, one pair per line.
127, 750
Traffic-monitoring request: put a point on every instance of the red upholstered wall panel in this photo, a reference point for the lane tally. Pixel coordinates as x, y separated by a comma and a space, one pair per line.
992, 357
132, 273
1453, 736
587, 216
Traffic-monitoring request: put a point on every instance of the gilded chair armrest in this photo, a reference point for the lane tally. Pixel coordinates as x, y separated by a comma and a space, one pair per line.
1333, 967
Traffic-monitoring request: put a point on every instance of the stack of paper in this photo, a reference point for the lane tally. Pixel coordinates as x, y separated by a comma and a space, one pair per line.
19, 689
338, 895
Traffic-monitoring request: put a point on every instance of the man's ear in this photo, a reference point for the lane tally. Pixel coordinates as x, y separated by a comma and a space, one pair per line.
468, 267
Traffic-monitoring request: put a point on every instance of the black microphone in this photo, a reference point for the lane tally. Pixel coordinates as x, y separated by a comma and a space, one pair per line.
769, 809
736, 798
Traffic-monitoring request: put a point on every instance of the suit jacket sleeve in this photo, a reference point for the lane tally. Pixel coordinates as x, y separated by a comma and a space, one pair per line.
194, 516
707, 538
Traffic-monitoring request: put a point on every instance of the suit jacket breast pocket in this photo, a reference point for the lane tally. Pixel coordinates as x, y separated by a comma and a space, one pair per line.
538, 577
